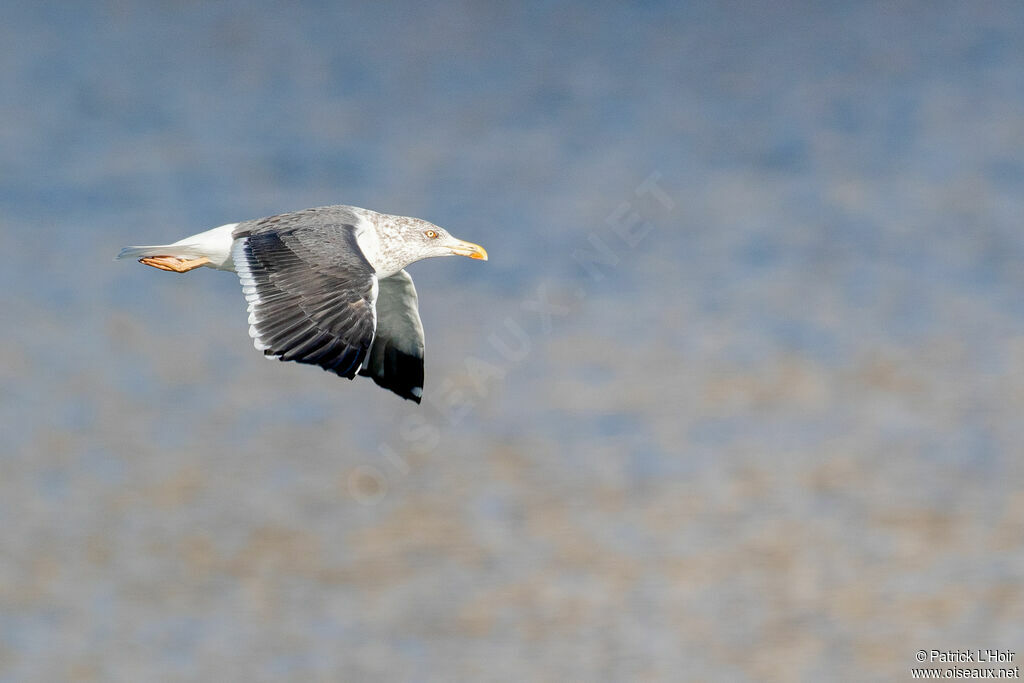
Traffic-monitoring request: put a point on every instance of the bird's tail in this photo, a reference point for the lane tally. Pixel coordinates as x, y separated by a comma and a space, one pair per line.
182, 251
211, 248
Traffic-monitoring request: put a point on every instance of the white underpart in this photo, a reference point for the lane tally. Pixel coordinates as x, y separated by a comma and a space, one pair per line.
369, 241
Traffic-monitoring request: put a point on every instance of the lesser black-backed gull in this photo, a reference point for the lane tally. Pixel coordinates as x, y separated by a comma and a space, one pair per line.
326, 286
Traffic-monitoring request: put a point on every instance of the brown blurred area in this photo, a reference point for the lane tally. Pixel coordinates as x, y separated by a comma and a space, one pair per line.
777, 438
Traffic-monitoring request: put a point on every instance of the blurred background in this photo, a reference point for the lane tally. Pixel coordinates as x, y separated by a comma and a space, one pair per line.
774, 433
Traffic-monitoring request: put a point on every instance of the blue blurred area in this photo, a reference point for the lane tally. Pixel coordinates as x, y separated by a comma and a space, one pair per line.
778, 437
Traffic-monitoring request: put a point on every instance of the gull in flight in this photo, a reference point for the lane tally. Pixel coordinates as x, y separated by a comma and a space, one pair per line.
326, 286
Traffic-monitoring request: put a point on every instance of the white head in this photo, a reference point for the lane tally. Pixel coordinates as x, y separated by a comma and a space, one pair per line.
407, 240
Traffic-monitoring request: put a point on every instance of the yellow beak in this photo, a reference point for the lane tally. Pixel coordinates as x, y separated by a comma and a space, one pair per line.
469, 249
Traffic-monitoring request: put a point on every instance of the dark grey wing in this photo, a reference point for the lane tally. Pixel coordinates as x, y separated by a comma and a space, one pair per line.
311, 293
396, 358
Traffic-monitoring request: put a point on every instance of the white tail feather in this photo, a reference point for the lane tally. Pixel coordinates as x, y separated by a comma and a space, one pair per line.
180, 250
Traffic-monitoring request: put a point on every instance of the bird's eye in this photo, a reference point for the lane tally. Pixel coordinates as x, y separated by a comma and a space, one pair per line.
432, 234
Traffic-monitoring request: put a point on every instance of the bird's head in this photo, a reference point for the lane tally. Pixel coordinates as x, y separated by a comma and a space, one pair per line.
435, 241
405, 240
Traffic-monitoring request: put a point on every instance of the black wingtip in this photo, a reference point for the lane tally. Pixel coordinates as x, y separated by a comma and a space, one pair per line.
399, 372
409, 393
